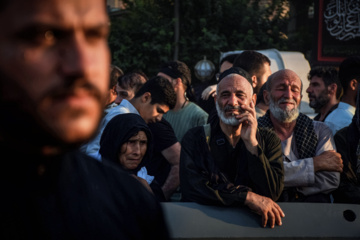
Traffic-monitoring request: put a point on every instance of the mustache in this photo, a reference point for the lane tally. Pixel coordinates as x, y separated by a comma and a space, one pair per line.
284, 100
73, 87
311, 95
238, 108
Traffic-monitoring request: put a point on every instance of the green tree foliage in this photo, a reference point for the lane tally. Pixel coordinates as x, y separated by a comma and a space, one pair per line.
143, 37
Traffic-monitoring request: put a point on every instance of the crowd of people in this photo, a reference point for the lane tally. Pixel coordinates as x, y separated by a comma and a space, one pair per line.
90, 151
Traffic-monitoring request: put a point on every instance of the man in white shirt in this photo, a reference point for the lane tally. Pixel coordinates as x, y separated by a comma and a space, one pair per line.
324, 93
151, 102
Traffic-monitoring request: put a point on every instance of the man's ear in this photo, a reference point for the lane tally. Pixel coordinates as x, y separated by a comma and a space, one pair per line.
254, 97
178, 81
266, 97
332, 88
353, 84
113, 90
146, 97
254, 81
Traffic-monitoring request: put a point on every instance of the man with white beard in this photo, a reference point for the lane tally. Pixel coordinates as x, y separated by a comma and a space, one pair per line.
232, 162
311, 164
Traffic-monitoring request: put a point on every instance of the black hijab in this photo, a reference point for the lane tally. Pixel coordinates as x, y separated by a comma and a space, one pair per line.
118, 131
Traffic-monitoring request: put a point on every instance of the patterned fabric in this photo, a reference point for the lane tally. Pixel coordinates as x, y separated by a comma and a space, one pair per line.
305, 137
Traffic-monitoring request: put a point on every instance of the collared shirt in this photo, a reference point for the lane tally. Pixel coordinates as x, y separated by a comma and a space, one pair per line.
340, 117
93, 146
300, 173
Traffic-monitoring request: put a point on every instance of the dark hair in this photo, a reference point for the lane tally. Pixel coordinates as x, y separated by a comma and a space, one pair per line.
177, 69
228, 58
329, 76
252, 62
115, 73
133, 80
349, 69
161, 90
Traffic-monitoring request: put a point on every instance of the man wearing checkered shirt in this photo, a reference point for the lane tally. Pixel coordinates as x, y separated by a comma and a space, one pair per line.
311, 164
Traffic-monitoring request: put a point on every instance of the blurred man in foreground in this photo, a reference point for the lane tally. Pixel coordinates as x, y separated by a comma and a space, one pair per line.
54, 77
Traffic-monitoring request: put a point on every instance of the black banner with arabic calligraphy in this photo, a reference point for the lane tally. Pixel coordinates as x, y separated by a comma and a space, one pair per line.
338, 33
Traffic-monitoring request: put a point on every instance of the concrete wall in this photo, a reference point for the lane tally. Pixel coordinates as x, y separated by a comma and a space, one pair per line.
301, 221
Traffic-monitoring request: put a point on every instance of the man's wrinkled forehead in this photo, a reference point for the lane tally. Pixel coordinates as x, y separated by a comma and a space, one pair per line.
236, 82
284, 76
59, 12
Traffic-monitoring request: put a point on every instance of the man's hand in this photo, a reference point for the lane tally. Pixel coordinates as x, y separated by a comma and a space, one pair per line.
210, 90
328, 161
269, 210
144, 183
249, 127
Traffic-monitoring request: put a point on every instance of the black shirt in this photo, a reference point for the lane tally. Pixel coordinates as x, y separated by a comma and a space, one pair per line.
77, 197
164, 137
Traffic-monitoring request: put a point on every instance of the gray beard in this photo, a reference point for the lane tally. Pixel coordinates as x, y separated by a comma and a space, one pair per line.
232, 121
285, 116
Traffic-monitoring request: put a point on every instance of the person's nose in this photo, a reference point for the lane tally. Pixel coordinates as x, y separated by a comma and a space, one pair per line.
309, 89
159, 117
287, 93
76, 57
136, 148
233, 100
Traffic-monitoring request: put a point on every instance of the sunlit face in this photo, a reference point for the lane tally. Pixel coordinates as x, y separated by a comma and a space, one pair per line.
285, 95
232, 92
133, 151
153, 112
123, 94
318, 93
54, 62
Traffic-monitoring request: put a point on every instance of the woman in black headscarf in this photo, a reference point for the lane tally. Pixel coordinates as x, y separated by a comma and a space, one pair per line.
127, 141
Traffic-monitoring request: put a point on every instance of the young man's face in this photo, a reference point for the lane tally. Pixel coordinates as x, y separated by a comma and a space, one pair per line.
54, 63
153, 112
318, 93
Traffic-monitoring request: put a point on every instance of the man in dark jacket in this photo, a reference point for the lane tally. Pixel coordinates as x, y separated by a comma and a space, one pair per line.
54, 76
232, 162
347, 139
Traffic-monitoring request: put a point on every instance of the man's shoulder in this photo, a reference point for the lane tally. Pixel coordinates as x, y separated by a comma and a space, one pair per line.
319, 126
198, 110
340, 113
341, 134
194, 134
103, 174
268, 135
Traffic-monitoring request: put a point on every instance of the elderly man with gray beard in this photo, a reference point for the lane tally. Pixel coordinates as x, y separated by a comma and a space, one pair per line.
232, 162
311, 164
